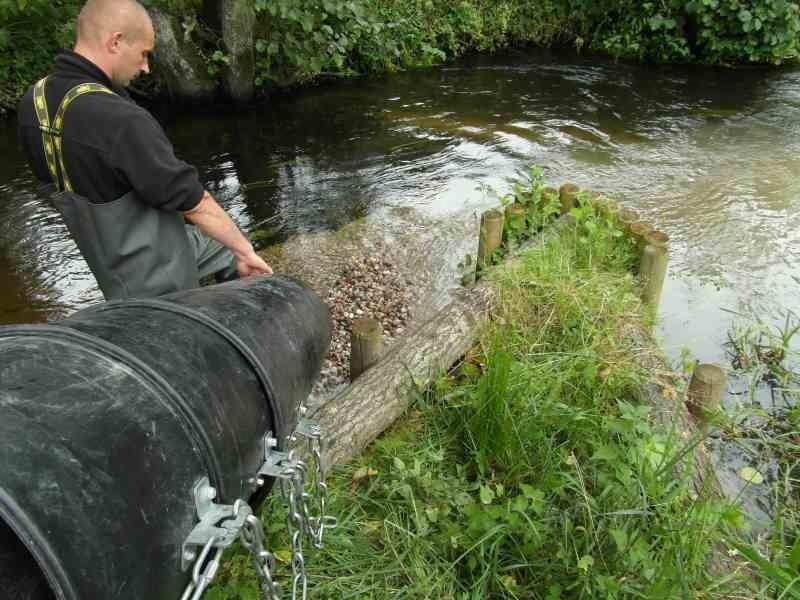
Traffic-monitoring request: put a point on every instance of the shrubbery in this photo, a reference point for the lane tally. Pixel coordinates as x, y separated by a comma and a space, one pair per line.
298, 40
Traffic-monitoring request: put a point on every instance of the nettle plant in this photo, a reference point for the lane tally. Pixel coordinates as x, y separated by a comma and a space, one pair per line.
765, 31
714, 31
300, 39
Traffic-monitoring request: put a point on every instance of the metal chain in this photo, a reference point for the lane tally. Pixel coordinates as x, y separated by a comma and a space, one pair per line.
252, 538
315, 522
292, 486
202, 578
321, 521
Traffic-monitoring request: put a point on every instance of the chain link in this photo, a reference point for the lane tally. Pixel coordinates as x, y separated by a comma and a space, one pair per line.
292, 487
202, 578
315, 522
318, 523
252, 538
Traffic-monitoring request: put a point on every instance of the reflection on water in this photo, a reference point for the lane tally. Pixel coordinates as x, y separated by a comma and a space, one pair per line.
710, 156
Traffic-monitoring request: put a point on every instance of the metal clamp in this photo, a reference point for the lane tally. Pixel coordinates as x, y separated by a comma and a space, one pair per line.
308, 429
218, 522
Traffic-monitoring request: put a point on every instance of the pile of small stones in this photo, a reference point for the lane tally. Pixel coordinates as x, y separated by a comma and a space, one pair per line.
368, 287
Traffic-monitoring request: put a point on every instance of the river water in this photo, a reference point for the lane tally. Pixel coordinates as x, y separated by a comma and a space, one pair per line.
710, 156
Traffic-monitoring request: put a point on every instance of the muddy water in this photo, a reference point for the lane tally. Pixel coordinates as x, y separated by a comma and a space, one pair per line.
709, 156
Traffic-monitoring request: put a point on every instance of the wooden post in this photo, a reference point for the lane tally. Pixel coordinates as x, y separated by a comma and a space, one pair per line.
491, 236
627, 217
568, 194
657, 238
610, 207
639, 232
366, 344
514, 220
652, 271
706, 390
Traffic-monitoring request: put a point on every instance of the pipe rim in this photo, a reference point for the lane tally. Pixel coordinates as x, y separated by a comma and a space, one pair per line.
29, 535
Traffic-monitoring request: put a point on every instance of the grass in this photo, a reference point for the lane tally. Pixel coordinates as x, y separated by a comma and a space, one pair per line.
533, 470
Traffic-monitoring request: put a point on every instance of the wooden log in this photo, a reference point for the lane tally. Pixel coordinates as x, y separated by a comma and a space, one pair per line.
375, 400
653, 271
706, 390
491, 237
568, 194
366, 345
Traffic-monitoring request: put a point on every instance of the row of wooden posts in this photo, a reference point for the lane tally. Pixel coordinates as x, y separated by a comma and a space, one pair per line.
708, 383
653, 245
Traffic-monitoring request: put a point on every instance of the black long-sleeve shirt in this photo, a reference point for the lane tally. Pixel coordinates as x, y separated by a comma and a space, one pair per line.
110, 144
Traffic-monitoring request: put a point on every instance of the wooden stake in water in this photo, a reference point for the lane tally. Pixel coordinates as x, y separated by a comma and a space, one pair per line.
366, 345
652, 272
568, 194
657, 238
639, 232
491, 236
706, 390
627, 217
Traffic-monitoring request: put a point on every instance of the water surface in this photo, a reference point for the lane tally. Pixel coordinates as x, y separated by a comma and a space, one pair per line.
711, 156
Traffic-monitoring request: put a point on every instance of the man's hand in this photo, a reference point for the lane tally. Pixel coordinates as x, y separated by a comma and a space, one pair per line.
251, 264
209, 217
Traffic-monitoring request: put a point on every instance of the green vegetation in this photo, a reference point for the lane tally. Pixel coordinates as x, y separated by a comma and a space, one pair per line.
31, 32
535, 469
768, 356
299, 40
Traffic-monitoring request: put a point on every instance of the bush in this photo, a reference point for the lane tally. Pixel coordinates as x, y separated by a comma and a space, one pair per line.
31, 33
299, 40
711, 31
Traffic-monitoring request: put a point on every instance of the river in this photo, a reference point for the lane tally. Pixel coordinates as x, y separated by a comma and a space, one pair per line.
710, 156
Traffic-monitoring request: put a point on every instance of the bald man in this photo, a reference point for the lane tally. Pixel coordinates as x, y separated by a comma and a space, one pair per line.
140, 216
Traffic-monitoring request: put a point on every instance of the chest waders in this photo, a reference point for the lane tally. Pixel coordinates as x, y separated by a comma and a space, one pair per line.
133, 249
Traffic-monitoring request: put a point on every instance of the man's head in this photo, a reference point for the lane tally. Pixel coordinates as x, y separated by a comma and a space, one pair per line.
118, 36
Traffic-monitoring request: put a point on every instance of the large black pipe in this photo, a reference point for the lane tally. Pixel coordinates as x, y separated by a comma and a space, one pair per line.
110, 417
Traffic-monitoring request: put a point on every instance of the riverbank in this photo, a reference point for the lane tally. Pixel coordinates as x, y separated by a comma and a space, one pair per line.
238, 49
536, 468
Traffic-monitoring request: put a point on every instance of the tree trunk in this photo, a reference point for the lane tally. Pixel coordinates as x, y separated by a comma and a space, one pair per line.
179, 62
238, 18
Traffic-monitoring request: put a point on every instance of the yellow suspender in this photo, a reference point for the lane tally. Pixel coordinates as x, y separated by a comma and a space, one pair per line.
51, 133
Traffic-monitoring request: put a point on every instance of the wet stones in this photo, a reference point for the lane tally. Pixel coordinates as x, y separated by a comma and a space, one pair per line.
368, 287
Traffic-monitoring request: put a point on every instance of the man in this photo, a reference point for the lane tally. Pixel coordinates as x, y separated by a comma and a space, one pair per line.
123, 194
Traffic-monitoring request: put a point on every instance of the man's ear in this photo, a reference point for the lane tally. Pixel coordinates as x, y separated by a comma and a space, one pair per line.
114, 42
